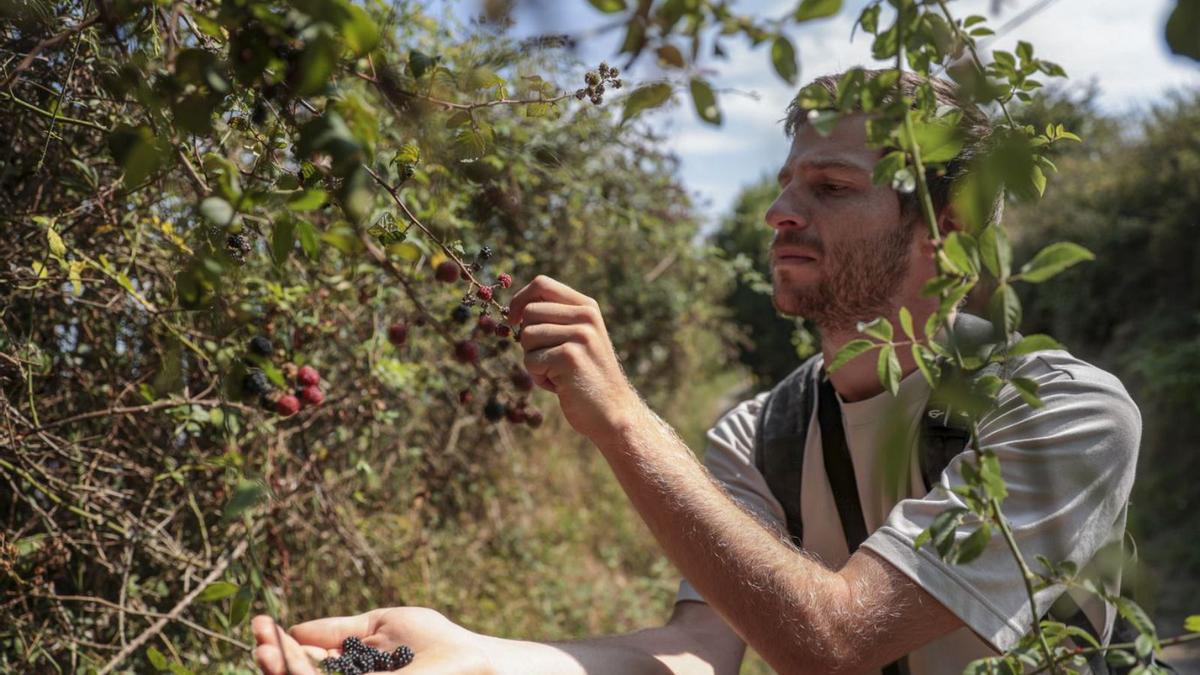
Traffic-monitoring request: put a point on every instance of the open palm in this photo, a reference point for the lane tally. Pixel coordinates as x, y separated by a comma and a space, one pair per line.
440, 646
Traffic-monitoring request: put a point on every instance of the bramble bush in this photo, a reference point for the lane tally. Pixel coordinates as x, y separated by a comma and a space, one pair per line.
187, 177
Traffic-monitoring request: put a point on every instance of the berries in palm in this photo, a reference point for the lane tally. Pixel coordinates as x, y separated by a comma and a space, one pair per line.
358, 658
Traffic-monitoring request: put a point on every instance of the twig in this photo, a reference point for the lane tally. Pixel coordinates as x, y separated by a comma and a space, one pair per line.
48, 42
183, 604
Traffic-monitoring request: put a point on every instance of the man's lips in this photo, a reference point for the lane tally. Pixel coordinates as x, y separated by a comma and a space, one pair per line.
789, 254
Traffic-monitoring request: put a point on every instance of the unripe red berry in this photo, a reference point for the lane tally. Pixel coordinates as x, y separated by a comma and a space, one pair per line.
466, 351
522, 380
398, 333
308, 376
534, 418
516, 415
503, 330
484, 292
465, 396
487, 324
447, 272
287, 405
312, 395
505, 279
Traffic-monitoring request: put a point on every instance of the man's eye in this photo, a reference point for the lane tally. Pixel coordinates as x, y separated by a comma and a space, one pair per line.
832, 188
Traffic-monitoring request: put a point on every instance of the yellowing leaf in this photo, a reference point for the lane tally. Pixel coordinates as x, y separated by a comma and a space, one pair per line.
57, 247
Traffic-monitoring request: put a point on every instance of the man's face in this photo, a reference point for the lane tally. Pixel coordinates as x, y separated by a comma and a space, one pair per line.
840, 254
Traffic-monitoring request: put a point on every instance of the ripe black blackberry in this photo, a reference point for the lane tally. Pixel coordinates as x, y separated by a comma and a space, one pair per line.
485, 252
357, 659
261, 345
256, 383
400, 657
461, 313
494, 410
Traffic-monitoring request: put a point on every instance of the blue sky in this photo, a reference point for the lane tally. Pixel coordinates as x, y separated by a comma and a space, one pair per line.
1116, 42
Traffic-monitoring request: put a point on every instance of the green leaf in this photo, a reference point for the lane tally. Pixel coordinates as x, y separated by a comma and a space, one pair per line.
1138, 617
1192, 623
156, 658
179, 669
307, 234
816, 9
1120, 658
1027, 389
669, 55
608, 6
887, 166
888, 369
961, 249
57, 247
941, 530
1034, 343
307, 200
138, 151
420, 63
217, 211
1005, 308
973, 546
989, 475
848, 352
249, 493
1054, 259
314, 69
1183, 27
218, 590
926, 363
939, 140
869, 19
995, 251
783, 57
409, 153
359, 32
240, 608
645, 98
705, 101
283, 239
906, 323
879, 328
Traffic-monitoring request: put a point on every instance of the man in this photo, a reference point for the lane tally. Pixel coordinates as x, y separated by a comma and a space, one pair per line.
845, 250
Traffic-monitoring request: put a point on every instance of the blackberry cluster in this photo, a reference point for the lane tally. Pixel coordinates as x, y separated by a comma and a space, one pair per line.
238, 247
595, 80
357, 658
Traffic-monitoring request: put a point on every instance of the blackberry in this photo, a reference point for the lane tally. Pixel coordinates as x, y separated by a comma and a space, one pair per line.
261, 346
505, 280
494, 410
466, 351
398, 333
485, 292
522, 380
485, 253
446, 272
255, 383
308, 376
402, 656
357, 658
287, 405
487, 324
461, 314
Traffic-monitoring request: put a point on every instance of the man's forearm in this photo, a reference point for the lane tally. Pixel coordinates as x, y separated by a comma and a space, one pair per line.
784, 604
654, 651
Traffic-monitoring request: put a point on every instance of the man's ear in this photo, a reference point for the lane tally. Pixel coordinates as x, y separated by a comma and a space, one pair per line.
948, 220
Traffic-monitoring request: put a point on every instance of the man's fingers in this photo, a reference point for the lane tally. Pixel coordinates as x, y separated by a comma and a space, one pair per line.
555, 312
542, 335
329, 633
543, 289
279, 654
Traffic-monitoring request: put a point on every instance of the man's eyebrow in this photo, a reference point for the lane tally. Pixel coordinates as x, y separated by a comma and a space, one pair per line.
820, 164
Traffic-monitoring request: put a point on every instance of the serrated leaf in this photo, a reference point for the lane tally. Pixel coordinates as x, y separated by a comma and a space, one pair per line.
995, 251
848, 352
1037, 342
1054, 259
705, 101
783, 57
1138, 617
926, 364
990, 477
816, 9
960, 248
1004, 309
645, 98
218, 590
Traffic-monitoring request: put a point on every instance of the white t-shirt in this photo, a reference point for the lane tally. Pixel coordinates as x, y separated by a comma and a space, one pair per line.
1069, 467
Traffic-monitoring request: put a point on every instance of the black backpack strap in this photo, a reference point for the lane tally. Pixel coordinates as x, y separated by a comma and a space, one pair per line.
782, 430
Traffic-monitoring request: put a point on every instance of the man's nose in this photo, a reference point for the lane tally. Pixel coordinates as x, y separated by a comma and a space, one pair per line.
784, 213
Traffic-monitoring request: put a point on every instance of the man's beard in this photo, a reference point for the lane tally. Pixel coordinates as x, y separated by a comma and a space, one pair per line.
858, 278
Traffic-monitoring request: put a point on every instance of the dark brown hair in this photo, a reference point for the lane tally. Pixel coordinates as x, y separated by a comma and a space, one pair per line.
974, 125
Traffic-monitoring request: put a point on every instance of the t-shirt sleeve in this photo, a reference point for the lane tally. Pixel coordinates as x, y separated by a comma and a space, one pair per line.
1069, 467
729, 457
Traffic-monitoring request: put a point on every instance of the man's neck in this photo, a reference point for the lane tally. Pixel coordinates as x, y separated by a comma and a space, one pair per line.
859, 379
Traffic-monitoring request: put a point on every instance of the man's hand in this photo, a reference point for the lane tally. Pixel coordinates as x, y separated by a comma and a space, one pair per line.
568, 352
440, 646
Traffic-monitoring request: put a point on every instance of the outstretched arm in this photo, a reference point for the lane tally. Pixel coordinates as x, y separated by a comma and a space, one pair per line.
800, 615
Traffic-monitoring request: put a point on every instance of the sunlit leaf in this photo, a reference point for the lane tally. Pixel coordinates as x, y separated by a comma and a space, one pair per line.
705, 101
783, 57
848, 352
1054, 259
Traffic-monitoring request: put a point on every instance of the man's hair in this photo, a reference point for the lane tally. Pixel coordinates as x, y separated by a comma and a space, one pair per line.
974, 126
